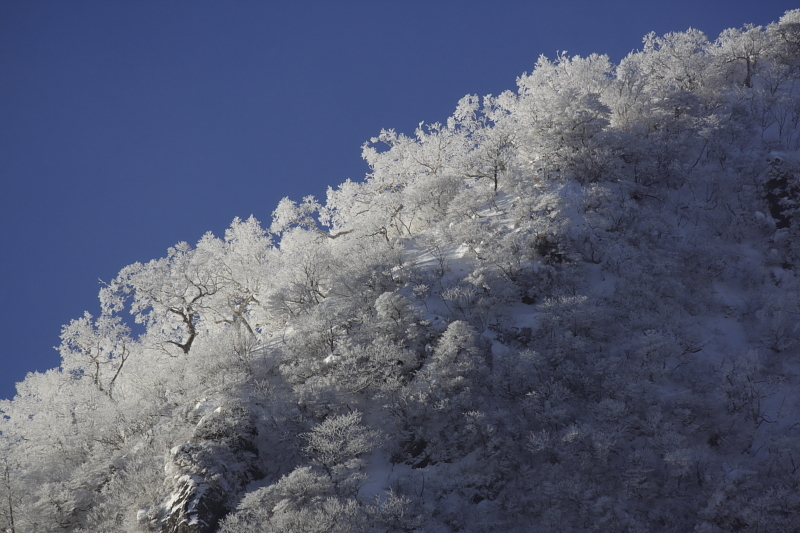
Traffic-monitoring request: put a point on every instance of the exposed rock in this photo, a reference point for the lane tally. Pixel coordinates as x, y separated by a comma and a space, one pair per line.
783, 191
210, 472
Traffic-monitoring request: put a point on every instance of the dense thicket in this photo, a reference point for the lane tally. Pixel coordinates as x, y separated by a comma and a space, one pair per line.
572, 307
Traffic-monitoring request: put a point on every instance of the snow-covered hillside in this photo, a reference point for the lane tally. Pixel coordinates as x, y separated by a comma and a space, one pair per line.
573, 307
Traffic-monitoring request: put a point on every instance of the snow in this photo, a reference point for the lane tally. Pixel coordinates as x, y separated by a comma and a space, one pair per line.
618, 348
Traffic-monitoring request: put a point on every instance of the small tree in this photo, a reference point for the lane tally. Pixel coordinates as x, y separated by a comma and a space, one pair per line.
338, 442
169, 295
746, 45
97, 349
8, 497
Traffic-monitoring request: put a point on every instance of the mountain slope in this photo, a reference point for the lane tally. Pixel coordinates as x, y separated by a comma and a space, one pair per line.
571, 307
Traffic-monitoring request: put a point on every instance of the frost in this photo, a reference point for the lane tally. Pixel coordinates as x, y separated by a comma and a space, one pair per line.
571, 304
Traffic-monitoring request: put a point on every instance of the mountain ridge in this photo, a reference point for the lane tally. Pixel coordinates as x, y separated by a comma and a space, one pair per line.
571, 307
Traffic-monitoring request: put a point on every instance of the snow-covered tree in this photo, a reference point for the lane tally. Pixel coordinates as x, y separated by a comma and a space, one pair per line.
569, 307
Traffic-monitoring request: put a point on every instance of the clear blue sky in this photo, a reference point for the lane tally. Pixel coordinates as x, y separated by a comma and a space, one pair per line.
126, 127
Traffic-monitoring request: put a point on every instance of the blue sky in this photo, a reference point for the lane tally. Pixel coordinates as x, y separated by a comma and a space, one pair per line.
126, 127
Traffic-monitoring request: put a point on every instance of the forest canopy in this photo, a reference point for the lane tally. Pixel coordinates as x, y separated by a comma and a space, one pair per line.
569, 307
